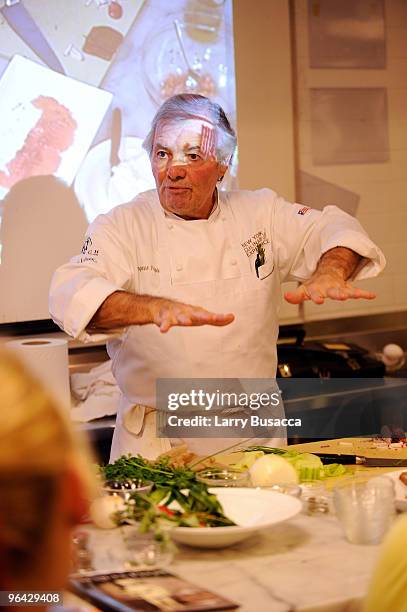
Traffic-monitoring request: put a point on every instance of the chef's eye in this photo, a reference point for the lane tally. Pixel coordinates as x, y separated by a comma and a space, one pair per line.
162, 154
194, 156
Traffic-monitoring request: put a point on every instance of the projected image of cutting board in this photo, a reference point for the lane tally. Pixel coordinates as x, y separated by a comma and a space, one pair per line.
47, 122
83, 34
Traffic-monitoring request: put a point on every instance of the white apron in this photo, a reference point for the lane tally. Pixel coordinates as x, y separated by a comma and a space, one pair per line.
188, 272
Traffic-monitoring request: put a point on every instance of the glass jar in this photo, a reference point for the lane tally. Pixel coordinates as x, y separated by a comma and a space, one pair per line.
203, 19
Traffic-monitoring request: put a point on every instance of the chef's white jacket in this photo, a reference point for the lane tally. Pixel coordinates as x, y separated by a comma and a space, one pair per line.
234, 261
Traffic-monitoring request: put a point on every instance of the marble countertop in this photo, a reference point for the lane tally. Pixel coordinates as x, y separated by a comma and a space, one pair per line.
304, 564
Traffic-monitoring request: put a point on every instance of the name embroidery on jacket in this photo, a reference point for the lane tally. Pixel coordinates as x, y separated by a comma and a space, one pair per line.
148, 268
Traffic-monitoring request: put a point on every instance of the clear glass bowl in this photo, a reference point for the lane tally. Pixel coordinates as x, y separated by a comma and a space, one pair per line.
224, 477
164, 69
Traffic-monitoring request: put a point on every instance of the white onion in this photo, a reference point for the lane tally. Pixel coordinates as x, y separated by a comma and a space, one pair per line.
103, 508
272, 469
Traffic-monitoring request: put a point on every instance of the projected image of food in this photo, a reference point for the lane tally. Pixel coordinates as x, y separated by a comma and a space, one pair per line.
41, 153
80, 83
45, 125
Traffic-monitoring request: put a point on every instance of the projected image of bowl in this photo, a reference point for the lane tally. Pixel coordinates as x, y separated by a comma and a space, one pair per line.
166, 72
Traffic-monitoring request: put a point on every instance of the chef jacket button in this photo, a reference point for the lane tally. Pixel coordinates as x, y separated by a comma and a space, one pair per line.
233, 262
170, 226
178, 267
223, 218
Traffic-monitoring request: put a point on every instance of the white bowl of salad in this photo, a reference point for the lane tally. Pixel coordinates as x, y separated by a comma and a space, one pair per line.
250, 509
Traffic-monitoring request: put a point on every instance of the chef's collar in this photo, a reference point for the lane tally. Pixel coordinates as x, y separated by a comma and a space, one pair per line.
214, 212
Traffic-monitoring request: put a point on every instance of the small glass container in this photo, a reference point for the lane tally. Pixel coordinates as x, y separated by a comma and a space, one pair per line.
144, 551
284, 487
127, 488
315, 497
81, 554
224, 477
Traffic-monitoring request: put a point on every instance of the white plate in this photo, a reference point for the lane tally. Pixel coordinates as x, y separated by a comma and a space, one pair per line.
98, 191
401, 490
251, 509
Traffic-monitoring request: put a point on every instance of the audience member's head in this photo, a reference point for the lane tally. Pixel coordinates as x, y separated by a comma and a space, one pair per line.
45, 481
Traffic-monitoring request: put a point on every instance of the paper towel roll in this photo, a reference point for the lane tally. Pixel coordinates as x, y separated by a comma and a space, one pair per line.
47, 358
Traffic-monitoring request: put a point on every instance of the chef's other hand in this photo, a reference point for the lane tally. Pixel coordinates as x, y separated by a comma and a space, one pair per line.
327, 285
331, 279
168, 313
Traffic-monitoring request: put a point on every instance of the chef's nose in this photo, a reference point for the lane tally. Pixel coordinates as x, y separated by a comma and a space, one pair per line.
176, 171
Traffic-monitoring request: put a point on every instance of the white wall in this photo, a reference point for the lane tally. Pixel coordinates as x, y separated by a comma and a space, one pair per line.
382, 187
265, 114
264, 95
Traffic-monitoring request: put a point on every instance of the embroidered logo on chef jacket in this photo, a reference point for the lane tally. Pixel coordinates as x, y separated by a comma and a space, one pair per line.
86, 245
258, 250
260, 259
88, 251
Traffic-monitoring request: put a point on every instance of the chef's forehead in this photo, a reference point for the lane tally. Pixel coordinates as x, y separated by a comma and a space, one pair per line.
188, 128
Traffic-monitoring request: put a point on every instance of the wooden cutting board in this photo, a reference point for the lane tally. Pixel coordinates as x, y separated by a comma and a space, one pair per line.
366, 447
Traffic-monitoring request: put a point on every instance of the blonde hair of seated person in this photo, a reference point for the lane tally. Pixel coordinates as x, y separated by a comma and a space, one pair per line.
388, 587
46, 480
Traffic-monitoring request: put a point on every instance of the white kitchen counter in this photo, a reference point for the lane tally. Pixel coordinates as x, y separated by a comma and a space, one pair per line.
304, 564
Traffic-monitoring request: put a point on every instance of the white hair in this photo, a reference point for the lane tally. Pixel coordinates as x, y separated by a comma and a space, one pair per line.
194, 106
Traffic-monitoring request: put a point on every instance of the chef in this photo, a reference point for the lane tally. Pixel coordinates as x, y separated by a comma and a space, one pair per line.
185, 280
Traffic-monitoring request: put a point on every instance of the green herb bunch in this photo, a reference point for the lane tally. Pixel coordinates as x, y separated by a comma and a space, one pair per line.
196, 506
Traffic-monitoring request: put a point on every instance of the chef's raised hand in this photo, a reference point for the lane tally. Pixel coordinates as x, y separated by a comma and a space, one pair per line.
329, 280
121, 309
168, 313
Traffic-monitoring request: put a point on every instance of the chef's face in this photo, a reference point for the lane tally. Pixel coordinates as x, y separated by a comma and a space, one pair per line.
185, 167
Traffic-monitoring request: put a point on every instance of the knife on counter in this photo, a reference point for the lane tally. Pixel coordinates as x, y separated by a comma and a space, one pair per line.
381, 462
361, 460
20, 20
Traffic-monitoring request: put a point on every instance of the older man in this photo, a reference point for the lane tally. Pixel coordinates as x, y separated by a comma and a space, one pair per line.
208, 264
